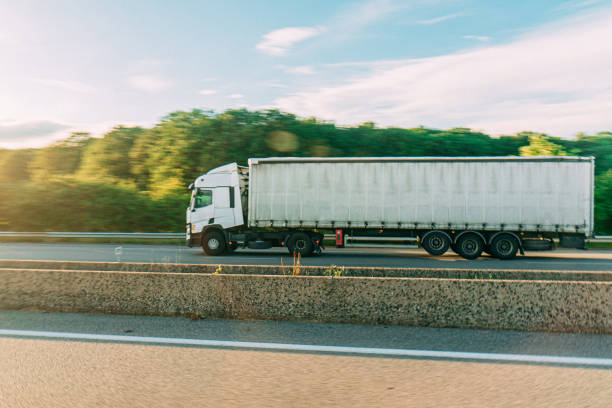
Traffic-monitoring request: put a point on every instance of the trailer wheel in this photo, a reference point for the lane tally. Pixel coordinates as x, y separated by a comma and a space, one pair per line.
436, 243
214, 243
300, 243
504, 246
469, 246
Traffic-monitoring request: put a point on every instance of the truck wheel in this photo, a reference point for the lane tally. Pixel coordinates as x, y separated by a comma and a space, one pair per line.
436, 243
469, 246
504, 246
214, 243
300, 243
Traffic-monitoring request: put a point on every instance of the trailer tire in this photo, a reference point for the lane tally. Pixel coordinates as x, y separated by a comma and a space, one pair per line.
213, 243
300, 243
469, 246
436, 243
504, 246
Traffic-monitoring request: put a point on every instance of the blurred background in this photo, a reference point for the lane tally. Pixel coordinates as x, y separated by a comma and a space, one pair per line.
108, 110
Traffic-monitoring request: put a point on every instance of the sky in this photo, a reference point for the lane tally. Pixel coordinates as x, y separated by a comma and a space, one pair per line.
495, 66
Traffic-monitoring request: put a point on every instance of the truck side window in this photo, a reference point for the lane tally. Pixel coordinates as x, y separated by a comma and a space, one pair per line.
203, 198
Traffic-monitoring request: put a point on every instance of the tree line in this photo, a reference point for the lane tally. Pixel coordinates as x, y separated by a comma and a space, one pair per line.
134, 179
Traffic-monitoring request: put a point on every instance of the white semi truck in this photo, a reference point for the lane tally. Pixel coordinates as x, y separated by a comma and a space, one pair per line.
499, 205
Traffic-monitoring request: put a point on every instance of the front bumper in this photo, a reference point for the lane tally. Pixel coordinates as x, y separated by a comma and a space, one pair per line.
192, 238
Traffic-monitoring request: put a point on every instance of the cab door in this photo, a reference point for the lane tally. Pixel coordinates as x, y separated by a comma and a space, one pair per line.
202, 209
224, 207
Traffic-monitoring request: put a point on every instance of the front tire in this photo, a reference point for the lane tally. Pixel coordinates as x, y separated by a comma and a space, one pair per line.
213, 243
300, 243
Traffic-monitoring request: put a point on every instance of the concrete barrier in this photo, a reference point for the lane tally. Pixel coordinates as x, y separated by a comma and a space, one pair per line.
380, 272
584, 307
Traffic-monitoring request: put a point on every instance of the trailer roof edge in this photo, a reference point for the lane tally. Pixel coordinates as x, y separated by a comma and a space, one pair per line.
269, 160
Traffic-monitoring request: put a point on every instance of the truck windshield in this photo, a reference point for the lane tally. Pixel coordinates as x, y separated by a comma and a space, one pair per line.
203, 198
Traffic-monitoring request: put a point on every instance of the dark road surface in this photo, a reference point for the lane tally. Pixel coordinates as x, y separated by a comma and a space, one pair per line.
561, 259
68, 372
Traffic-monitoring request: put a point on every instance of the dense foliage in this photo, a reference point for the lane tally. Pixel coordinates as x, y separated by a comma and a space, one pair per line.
135, 179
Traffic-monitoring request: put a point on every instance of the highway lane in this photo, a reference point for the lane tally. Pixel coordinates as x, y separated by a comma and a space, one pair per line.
64, 372
560, 259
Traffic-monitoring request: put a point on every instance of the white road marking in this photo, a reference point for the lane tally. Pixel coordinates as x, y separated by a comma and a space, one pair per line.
456, 355
547, 263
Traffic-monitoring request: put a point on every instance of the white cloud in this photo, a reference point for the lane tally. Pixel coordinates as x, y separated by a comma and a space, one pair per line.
207, 92
149, 83
482, 38
18, 130
235, 96
301, 70
73, 86
278, 42
347, 24
554, 80
576, 4
19, 134
368, 12
439, 19
352, 20
41, 133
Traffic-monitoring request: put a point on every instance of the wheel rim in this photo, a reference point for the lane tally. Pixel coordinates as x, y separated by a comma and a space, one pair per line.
470, 246
300, 244
213, 243
436, 242
504, 247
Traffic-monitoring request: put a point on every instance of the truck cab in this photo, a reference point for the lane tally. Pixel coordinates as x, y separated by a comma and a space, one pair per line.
215, 202
217, 217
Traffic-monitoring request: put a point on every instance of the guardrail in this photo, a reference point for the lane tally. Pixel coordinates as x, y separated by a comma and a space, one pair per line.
181, 235
601, 238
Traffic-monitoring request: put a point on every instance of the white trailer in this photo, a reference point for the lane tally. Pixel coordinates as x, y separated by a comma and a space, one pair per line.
499, 205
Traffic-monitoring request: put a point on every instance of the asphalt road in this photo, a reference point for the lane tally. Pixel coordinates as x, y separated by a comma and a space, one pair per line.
64, 372
561, 259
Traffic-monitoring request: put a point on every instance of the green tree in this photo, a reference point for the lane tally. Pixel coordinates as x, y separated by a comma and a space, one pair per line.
142, 173
61, 158
603, 203
598, 146
541, 145
108, 157
15, 165
172, 154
